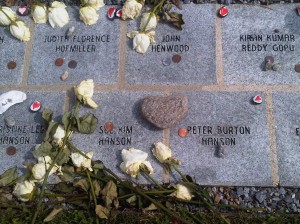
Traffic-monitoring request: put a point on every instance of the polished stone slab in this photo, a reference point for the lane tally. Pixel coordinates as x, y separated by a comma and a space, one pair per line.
12, 57
130, 130
287, 124
29, 127
91, 52
231, 121
251, 33
195, 44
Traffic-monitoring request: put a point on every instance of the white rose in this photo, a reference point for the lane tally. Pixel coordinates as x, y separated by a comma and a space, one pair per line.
131, 9
20, 31
133, 159
88, 15
39, 170
161, 152
6, 16
80, 161
39, 13
85, 91
141, 43
58, 15
59, 134
96, 4
182, 192
23, 189
151, 24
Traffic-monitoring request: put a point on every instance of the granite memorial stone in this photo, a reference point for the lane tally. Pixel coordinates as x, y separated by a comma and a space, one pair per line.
227, 140
89, 52
18, 140
286, 112
194, 47
249, 34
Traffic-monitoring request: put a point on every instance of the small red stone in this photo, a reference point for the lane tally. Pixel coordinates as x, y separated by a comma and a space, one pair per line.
257, 99
298, 10
111, 12
108, 126
118, 13
183, 132
223, 11
35, 106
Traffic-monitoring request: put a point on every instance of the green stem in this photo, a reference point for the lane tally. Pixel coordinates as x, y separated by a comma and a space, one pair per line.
153, 13
17, 179
189, 214
60, 150
153, 180
157, 204
93, 192
148, 192
179, 172
77, 150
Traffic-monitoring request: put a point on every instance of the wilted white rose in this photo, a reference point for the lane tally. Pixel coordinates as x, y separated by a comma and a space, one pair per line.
152, 22
81, 161
59, 134
39, 170
39, 13
58, 15
163, 153
131, 9
88, 15
96, 4
19, 30
133, 159
84, 91
182, 192
6, 16
141, 43
24, 190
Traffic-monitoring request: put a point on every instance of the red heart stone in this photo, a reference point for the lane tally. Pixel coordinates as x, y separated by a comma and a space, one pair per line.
119, 13
111, 12
257, 99
35, 106
223, 11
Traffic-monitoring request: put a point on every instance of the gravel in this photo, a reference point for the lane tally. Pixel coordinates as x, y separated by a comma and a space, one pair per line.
268, 199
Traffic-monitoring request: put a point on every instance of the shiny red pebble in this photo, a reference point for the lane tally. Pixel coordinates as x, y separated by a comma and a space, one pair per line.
118, 13
111, 12
183, 132
35, 106
223, 11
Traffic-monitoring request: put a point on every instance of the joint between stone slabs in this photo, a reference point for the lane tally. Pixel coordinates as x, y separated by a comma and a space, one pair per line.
272, 138
219, 51
122, 55
27, 55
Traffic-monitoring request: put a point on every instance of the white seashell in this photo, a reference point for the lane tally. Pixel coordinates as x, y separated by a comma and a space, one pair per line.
11, 98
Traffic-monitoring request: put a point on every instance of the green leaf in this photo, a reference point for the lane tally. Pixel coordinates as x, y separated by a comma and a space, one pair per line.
102, 212
50, 131
68, 173
52, 214
45, 149
64, 187
109, 193
8, 176
83, 184
64, 156
66, 119
47, 115
174, 18
87, 124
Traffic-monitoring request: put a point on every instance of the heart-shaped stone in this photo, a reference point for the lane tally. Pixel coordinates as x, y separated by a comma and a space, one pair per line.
23, 11
164, 111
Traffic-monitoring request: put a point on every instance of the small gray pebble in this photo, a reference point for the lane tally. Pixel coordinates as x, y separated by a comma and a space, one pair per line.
268, 65
167, 61
10, 121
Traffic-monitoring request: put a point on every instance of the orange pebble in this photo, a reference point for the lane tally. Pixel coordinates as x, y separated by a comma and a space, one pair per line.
108, 126
183, 132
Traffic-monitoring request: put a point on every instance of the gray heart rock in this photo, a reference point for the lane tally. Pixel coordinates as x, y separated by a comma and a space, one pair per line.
164, 111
